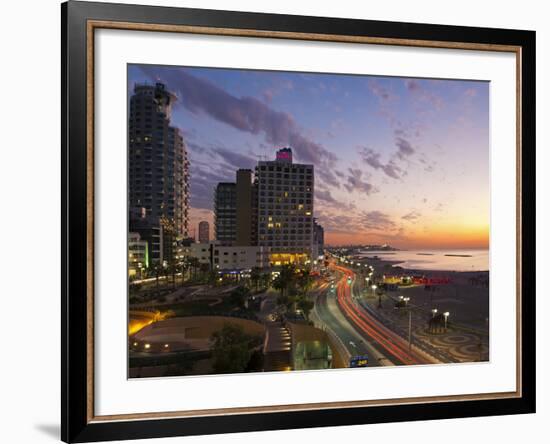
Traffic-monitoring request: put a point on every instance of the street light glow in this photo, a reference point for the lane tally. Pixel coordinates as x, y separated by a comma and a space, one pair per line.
446, 314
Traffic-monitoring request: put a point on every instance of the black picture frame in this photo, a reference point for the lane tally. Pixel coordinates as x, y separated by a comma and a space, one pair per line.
76, 424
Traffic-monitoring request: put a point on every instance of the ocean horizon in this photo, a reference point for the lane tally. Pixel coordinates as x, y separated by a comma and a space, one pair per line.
436, 259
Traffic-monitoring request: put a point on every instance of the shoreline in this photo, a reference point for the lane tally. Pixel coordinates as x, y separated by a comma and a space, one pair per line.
395, 264
465, 295
428, 260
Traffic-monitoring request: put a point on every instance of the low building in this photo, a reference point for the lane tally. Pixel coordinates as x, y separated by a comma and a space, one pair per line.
231, 258
138, 255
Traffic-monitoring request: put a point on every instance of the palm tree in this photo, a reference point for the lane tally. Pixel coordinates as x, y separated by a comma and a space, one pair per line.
157, 271
239, 296
305, 281
255, 276
194, 265
172, 269
183, 266
204, 269
265, 278
285, 280
304, 304
212, 278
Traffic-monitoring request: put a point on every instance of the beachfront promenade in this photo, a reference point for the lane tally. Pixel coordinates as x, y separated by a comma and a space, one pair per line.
464, 338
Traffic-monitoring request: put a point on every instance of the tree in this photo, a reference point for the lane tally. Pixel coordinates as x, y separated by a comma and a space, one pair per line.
157, 271
194, 264
172, 269
265, 279
256, 362
280, 285
285, 280
285, 300
238, 296
305, 305
204, 269
231, 349
212, 277
184, 266
255, 277
305, 281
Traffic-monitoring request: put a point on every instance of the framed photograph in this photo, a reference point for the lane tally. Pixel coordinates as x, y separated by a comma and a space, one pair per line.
275, 221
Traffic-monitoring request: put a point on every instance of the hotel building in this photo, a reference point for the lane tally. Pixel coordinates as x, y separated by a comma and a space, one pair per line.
285, 208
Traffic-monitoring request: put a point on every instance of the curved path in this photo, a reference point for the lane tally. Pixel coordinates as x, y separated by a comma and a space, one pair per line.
353, 340
390, 342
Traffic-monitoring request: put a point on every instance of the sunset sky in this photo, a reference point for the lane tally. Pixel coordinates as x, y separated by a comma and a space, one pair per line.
397, 160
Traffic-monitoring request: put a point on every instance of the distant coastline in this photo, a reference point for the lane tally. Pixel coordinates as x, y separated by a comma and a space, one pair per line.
443, 260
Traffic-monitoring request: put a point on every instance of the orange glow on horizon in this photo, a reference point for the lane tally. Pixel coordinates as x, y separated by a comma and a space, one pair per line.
441, 237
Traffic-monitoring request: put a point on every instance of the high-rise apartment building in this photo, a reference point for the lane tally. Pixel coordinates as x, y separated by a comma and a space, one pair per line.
158, 166
244, 191
285, 208
225, 213
204, 232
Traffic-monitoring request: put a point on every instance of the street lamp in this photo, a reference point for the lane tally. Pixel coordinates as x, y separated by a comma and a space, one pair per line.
434, 311
406, 300
373, 289
446, 314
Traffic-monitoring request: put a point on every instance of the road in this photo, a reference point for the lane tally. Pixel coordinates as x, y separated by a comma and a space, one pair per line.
355, 343
389, 342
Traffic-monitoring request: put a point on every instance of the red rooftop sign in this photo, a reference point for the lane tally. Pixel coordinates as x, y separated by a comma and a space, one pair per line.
284, 154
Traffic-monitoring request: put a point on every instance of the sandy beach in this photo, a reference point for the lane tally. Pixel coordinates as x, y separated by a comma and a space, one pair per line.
464, 294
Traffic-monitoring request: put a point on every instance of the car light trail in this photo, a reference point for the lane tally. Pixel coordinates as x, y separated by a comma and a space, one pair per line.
390, 341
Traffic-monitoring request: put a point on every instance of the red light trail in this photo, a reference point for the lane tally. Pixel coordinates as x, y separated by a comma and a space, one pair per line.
390, 341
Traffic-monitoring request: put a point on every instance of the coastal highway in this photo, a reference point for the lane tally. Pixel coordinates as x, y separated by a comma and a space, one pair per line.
353, 339
388, 342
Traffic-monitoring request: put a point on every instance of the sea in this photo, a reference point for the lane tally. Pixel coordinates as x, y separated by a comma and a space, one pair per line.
448, 260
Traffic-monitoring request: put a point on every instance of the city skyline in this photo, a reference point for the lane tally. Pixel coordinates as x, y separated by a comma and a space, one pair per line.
270, 291
378, 145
